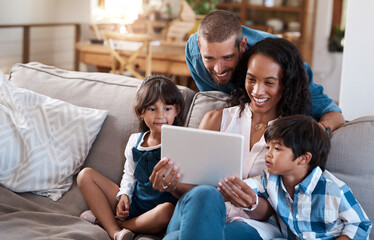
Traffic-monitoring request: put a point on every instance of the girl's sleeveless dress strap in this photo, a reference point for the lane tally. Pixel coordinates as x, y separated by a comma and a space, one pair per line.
139, 139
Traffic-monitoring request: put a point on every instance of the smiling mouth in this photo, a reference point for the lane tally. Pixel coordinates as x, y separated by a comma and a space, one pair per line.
221, 79
260, 101
222, 75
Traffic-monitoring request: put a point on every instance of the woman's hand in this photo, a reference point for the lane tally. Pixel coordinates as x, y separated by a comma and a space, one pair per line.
164, 183
123, 207
240, 194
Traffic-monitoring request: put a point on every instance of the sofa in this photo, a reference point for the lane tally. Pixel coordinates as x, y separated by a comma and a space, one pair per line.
27, 215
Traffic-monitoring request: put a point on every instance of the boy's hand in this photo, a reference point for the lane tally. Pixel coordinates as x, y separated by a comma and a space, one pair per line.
123, 207
240, 194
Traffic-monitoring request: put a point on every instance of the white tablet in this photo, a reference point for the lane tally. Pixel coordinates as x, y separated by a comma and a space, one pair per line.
203, 157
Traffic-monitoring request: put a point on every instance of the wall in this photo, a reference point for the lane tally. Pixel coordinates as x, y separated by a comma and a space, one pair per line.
356, 92
49, 45
326, 65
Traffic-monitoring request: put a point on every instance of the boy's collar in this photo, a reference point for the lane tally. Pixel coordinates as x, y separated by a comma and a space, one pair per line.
309, 183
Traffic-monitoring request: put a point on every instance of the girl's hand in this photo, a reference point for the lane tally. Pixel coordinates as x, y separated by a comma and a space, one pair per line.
240, 194
161, 182
123, 207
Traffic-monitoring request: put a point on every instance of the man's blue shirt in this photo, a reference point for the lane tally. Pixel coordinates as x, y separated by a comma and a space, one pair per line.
321, 102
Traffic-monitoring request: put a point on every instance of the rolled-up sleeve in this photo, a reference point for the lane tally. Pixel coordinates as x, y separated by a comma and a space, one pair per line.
356, 223
321, 103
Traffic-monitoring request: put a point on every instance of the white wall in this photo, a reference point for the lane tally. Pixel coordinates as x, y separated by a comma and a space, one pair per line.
357, 86
326, 65
49, 45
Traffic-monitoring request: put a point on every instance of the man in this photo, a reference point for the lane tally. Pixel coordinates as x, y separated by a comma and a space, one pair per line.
213, 53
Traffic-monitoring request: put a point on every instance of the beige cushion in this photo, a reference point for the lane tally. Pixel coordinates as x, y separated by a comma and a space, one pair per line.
110, 92
351, 160
202, 103
44, 141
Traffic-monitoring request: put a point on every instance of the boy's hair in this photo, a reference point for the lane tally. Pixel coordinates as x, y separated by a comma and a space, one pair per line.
220, 25
302, 134
154, 88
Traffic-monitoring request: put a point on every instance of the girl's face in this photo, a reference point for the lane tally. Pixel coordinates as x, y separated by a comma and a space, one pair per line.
263, 84
159, 114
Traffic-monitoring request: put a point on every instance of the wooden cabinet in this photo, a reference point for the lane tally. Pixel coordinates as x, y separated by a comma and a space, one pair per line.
297, 18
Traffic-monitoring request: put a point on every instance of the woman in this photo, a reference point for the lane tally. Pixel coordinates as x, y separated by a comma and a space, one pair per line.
274, 85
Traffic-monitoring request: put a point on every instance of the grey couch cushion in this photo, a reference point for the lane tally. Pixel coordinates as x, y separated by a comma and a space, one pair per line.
95, 90
351, 160
111, 92
202, 103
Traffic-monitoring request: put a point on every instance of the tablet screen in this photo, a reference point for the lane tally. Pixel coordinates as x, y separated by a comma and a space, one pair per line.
204, 157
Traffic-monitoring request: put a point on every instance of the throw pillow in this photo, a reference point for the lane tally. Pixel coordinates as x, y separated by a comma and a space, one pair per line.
43, 141
202, 103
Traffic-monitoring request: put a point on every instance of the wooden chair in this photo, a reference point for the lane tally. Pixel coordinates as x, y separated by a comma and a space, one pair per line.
114, 39
98, 27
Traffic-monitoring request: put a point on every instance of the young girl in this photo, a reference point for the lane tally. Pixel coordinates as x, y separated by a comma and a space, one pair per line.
135, 206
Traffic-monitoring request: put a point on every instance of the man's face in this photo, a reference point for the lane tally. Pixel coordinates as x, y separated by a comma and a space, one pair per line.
221, 58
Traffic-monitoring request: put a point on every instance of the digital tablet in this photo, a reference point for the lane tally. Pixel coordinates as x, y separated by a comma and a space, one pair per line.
203, 156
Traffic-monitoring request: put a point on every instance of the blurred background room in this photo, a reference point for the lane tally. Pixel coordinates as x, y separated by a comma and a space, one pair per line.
77, 35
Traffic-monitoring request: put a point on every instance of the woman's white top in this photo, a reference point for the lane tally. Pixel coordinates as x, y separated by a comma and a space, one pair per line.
254, 159
253, 165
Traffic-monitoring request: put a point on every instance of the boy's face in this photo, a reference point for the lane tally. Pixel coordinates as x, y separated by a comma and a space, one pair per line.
279, 159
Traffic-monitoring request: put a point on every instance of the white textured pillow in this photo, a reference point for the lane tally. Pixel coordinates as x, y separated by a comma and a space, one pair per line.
43, 141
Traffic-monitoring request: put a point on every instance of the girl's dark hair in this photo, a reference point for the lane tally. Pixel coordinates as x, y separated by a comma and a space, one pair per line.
154, 88
295, 97
302, 134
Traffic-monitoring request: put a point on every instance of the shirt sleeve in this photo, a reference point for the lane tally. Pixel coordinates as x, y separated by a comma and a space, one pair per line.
321, 103
128, 178
356, 223
190, 53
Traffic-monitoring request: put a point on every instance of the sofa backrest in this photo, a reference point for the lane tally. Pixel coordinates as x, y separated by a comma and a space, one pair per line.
351, 159
111, 92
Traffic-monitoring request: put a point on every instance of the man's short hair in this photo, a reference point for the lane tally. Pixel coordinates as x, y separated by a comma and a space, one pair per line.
302, 134
220, 25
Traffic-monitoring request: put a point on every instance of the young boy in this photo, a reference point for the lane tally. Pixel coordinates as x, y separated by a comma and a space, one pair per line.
310, 202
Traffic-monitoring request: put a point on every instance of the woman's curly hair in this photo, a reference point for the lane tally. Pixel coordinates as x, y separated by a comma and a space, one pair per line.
295, 97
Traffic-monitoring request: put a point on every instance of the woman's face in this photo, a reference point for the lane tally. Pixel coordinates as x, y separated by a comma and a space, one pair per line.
263, 84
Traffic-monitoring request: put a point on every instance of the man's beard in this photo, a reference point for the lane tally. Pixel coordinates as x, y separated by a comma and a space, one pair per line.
222, 82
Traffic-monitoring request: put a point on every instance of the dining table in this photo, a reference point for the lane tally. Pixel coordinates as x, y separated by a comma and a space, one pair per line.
166, 58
